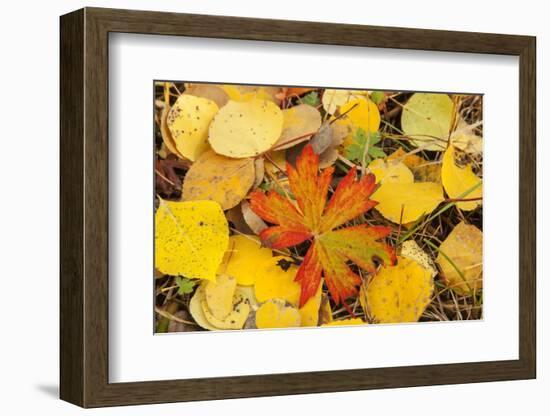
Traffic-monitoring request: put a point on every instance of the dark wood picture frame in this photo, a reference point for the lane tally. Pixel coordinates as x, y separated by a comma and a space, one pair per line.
84, 207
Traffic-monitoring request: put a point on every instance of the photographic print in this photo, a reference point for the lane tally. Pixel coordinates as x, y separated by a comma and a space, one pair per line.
288, 207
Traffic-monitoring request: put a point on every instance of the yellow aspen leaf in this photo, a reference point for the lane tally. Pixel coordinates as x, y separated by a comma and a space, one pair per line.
219, 178
195, 308
211, 92
219, 295
334, 99
243, 93
244, 258
188, 122
427, 119
399, 293
236, 317
459, 181
167, 138
461, 259
309, 313
346, 322
360, 113
298, 122
411, 250
190, 238
275, 313
411, 199
246, 129
275, 279
423, 171
390, 171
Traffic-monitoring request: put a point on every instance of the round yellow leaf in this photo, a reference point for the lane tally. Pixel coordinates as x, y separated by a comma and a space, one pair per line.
399, 293
236, 317
461, 259
273, 281
334, 99
195, 308
346, 322
427, 119
275, 313
459, 182
246, 129
219, 178
244, 258
411, 199
219, 295
360, 113
390, 171
298, 122
188, 122
190, 238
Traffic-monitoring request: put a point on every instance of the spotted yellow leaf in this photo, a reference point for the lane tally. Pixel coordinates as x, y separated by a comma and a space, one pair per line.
188, 122
219, 178
461, 259
399, 293
246, 129
190, 238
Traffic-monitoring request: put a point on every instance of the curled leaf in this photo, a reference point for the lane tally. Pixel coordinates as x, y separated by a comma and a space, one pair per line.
237, 315
411, 250
219, 295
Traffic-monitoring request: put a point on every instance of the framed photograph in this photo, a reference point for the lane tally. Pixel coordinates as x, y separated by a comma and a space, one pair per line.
256, 207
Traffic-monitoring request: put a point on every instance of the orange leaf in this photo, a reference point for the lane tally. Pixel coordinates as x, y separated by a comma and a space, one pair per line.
311, 218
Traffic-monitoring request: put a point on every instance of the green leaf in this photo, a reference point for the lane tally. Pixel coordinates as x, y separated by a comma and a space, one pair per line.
376, 152
361, 139
185, 285
311, 99
377, 97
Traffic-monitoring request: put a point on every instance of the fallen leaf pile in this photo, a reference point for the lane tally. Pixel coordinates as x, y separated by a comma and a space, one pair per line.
282, 207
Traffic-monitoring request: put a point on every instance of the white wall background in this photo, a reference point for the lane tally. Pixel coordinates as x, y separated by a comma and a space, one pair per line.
29, 208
